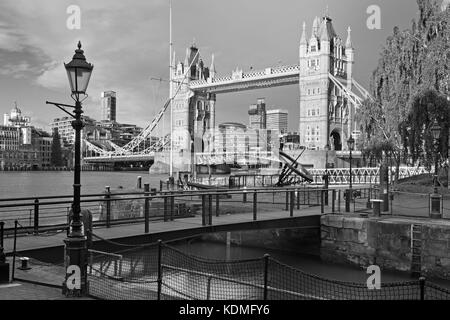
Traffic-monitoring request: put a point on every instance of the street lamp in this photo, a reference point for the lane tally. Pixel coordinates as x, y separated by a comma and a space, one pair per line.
436, 197
351, 147
79, 73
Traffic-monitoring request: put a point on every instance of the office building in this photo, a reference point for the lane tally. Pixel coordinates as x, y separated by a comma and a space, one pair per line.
277, 120
109, 106
257, 115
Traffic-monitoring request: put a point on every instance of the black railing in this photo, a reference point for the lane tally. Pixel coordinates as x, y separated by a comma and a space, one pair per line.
41, 214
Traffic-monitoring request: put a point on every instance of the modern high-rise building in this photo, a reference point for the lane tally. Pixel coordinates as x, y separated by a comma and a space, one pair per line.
108, 106
257, 115
277, 120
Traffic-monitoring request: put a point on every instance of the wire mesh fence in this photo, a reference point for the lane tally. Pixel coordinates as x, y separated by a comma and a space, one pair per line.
161, 272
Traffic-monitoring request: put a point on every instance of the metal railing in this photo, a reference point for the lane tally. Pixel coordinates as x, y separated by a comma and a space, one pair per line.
50, 213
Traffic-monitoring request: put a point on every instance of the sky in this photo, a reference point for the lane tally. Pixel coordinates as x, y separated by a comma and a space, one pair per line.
128, 43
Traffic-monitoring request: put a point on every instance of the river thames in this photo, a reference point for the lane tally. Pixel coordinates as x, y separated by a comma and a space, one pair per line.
18, 184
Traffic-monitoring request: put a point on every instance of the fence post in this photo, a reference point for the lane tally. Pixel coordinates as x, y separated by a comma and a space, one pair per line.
160, 185
244, 195
322, 202
2, 226
203, 210
339, 200
255, 197
14, 250
165, 208
217, 206
298, 198
36, 216
210, 209
266, 274
147, 207
287, 200
422, 288
172, 205
208, 288
108, 206
292, 203
159, 269
333, 208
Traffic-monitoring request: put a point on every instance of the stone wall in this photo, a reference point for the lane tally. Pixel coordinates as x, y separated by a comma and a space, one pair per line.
385, 242
295, 240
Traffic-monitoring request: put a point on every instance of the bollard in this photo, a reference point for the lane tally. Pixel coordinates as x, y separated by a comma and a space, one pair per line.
255, 200
139, 182
147, 207
108, 206
36, 216
435, 205
24, 263
377, 207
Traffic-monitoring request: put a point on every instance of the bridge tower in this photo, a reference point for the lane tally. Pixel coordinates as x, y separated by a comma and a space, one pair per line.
193, 112
326, 117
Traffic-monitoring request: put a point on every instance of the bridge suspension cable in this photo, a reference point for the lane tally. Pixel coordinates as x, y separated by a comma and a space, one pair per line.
129, 147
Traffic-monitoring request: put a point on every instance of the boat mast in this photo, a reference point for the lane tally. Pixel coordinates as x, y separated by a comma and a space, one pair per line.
170, 89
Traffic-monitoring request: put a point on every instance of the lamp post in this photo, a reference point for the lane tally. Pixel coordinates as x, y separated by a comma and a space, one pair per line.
351, 146
436, 197
79, 73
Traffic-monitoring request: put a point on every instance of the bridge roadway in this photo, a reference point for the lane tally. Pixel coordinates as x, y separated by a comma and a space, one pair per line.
37, 245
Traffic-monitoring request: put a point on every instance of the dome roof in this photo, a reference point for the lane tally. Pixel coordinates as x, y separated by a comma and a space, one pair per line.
15, 110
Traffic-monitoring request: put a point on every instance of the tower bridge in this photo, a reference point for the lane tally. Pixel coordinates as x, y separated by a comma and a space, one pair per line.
329, 99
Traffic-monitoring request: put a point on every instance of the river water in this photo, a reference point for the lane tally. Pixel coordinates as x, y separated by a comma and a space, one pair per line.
40, 183
30, 184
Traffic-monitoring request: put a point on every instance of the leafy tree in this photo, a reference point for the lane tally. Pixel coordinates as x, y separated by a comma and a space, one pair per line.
56, 158
412, 73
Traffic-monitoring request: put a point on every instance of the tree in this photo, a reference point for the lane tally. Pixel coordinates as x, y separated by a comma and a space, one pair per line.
412, 70
56, 158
